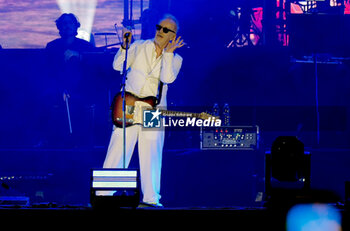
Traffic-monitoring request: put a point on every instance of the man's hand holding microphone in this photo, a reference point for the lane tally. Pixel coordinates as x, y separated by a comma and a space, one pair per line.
127, 35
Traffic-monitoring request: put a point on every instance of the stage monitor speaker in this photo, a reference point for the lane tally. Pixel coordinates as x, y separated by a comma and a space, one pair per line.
115, 188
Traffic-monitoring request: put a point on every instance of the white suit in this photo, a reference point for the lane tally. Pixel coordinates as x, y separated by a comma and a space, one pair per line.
144, 73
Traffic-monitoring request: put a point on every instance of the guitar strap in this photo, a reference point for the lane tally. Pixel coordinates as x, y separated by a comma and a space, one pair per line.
160, 86
160, 91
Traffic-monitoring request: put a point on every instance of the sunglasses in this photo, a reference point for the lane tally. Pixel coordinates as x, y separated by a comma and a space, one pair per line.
165, 30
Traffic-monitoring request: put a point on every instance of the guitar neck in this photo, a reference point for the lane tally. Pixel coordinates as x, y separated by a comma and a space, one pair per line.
180, 114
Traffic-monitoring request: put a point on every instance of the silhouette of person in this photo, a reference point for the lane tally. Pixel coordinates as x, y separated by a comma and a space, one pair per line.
68, 81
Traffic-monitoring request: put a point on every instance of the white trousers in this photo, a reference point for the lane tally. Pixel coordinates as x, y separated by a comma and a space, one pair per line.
150, 148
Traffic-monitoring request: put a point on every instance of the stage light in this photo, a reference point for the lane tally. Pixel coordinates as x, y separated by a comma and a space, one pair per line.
84, 10
287, 157
287, 172
114, 188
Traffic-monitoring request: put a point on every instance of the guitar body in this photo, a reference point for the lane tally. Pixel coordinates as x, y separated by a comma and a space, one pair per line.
130, 101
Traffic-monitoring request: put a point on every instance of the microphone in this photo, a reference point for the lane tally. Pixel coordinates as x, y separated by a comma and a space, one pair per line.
126, 37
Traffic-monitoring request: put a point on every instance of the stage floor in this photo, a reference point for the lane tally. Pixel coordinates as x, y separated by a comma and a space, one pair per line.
234, 218
63, 177
250, 218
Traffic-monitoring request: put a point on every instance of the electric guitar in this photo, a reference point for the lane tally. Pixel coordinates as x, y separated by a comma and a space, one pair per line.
135, 106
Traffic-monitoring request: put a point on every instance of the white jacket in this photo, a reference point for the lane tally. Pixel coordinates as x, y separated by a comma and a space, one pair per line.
145, 71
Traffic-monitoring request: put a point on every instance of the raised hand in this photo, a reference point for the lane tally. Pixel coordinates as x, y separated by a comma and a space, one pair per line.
174, 44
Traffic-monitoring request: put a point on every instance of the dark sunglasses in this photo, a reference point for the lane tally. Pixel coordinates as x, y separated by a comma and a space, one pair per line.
165, 30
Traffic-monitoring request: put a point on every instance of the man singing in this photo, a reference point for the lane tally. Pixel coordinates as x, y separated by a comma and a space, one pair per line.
149, 63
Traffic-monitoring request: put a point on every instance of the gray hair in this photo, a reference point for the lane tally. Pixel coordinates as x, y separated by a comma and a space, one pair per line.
172, 18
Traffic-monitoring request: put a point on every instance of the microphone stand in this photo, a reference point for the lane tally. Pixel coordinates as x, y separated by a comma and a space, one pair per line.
68, 113
123, 97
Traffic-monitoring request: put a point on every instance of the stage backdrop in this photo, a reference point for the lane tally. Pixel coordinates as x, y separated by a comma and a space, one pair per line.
31, 24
